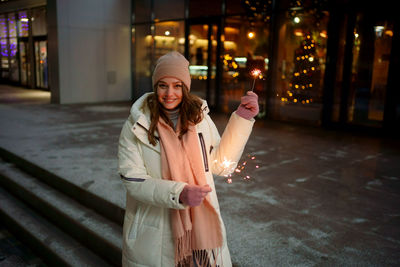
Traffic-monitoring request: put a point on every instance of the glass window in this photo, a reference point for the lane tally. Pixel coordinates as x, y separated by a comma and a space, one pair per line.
3, 45
23, 24
202, 8
142, 11
301, 66
4, 53
202, 58
3, 26
371, 55
14, 71
41, 64
163, 10
245, 61
25, 66
235, 7
169, 36
337, 94
12, 31
143, 53
39, 24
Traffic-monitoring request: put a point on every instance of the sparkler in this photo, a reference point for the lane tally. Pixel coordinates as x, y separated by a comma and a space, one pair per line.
239, 170
255, 73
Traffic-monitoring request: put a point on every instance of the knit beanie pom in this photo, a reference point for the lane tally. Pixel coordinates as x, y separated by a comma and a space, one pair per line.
172, 64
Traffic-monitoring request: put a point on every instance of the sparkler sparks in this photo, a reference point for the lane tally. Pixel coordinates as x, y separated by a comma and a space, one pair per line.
240, 170
228, 166
255, 73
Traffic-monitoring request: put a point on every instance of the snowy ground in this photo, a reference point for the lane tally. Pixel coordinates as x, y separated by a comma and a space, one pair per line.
317, 197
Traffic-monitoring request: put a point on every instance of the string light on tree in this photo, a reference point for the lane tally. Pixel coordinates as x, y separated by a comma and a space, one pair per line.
306, 74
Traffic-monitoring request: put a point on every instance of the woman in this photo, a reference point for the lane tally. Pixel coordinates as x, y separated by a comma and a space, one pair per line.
168, 150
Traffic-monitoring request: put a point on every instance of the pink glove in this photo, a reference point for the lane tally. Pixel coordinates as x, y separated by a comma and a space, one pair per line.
248, 107
193, 195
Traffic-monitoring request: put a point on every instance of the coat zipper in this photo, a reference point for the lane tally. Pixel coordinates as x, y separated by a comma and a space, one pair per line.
156, 137
203, 149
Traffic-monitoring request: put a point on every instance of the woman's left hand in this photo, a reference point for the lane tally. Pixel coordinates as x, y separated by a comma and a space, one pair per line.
248, 107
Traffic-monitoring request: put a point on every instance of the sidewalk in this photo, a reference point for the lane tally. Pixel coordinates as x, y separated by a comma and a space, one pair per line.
314, 197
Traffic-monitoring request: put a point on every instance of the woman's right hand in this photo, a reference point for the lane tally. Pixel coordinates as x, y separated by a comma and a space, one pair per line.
193, 195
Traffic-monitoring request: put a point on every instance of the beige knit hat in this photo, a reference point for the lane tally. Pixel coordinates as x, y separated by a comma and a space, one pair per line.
172, 64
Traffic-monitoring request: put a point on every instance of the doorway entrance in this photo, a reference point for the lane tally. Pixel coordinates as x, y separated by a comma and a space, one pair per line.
202, 52
362, 77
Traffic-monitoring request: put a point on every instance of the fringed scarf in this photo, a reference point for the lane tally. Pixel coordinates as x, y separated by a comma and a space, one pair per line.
196, 230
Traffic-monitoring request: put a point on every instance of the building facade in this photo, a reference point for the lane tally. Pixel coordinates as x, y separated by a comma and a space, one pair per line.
78, 50
320, 62
315, 62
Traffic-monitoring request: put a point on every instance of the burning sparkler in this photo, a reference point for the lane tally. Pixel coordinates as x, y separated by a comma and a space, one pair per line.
228, 166
255, 73
239, 170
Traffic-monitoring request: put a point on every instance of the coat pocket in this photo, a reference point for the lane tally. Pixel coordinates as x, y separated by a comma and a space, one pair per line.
133, 227
204, 152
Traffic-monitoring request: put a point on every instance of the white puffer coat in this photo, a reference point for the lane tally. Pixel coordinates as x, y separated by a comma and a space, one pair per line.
147, 234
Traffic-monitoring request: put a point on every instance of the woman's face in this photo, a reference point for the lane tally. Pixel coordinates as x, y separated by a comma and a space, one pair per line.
169, 92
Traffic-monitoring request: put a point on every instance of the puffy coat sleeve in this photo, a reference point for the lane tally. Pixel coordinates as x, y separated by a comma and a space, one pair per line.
228, 149
139, 184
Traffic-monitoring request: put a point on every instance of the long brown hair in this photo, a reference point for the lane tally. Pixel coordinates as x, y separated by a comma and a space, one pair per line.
190, 112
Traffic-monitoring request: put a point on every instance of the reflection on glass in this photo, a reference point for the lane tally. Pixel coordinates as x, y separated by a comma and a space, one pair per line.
41, 64
169, 36
23, 24
302, 54
12, 25
245, 49
14, 71
25, 69
371, 54
39, 24
143, 47
3, 27
3, 47
202, 68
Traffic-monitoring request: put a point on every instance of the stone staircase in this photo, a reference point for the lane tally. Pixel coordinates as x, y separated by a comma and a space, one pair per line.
61, 222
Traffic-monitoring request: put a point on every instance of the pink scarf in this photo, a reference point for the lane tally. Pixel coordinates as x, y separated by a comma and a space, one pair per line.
196, 230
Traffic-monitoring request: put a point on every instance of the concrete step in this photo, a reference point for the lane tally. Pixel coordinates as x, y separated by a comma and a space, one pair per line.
101, 235
54, 246
100, 205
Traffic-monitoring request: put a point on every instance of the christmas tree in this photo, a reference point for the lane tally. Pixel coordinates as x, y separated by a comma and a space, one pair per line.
303, 88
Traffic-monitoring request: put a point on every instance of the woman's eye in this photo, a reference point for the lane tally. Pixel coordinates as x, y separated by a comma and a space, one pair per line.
178, 85
163, 86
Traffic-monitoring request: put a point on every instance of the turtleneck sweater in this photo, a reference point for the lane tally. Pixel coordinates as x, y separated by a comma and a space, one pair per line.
173, 115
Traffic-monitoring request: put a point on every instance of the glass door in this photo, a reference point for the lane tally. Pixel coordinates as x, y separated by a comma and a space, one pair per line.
370, 68
363, 68
41, 64
203, 60
24, 59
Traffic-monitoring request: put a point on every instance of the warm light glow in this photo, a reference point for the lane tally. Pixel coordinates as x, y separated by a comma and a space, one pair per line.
24, 19
389, 33
167, 33
296, 20
255, 73
298, 32
251, 35
323, 34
